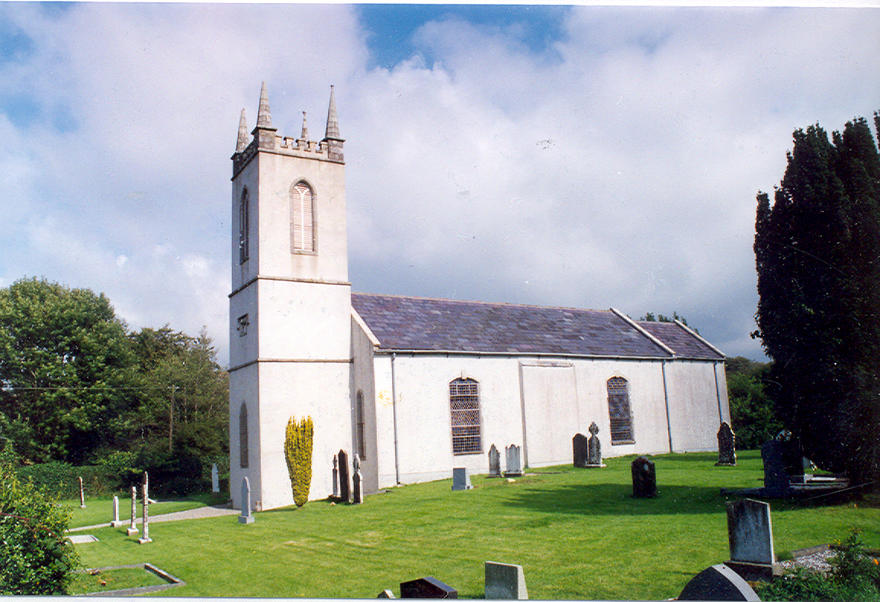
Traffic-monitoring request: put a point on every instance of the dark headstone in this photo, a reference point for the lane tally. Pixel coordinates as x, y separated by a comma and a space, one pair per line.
726, 446
356, 493
579, 450
644, 477
427, 587
494, 462
750, 533
776, 479
344, 482
718, 582
504, 582
594, 448
461, 480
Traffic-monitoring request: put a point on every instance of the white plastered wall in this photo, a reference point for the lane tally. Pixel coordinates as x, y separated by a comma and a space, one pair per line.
362, 380
694, 404
562, 397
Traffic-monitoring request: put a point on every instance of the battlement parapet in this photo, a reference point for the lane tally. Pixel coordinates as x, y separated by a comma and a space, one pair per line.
286, 145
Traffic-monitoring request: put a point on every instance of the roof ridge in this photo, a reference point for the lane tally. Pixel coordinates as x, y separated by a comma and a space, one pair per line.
478, 302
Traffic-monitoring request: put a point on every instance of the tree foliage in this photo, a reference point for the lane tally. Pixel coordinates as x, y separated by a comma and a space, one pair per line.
35, 557
76, 386
64, 362
817, 251
752, 409
298, 452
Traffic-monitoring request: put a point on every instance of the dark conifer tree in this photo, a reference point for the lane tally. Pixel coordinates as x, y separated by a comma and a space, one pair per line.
817, 251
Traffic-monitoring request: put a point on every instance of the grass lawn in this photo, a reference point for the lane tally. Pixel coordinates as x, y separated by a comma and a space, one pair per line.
100, 510
577, 533
114, 579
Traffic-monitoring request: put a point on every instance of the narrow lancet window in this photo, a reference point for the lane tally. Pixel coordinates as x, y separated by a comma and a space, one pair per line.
464, 405
359, 419
243, 227
243, 436
619, 411
302, 221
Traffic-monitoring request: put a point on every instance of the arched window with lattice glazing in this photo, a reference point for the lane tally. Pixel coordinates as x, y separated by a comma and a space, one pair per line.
464, 405
619, 411
302, 218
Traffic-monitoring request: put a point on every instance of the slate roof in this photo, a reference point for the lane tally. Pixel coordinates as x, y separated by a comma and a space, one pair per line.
420, 324
682, 342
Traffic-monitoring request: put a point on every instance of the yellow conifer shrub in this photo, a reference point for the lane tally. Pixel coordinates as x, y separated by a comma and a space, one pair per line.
298, 451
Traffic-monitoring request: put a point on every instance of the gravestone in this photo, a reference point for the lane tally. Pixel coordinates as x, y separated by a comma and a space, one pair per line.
726, 446
594, 448
494, 462
386, 593
344, 483
145, 519
750, 533
427, 587
335, 478
132, 528
461, 480
513, 457
82, 494
357, 494
644, 477
116, 522
776, 478
579, 451
246, 516
215, 479
504, 582
718, 582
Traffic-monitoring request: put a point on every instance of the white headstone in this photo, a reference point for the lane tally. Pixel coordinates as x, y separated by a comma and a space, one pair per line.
505, 582
461, 479
145, 519
215, 479
116, 522
246, 517
132, 528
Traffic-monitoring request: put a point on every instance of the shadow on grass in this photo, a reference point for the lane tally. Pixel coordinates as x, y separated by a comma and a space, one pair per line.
616, 499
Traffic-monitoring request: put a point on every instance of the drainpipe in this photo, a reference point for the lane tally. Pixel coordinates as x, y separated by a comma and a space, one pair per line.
666, 401
717, 391
394, 419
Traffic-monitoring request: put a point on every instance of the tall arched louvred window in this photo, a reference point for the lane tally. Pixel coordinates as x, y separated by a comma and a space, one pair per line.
243, 227
243, 436
302, 218
464, 405
619, 411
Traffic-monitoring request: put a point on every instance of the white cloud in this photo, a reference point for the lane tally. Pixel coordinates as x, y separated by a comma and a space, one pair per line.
618, 168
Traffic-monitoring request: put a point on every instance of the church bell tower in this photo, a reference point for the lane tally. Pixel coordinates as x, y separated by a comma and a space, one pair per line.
290, 305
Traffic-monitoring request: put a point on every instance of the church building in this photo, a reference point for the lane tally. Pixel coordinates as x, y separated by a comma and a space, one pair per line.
416, 386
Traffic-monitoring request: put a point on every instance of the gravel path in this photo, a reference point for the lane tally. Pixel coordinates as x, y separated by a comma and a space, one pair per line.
203, 512
817, 560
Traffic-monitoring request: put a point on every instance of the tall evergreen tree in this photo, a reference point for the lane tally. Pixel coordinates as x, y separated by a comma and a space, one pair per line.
817, 252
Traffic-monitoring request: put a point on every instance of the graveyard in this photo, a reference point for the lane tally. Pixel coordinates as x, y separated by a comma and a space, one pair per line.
577, 533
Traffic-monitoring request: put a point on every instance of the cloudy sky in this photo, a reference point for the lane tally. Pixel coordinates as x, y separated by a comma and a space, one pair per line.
575, 156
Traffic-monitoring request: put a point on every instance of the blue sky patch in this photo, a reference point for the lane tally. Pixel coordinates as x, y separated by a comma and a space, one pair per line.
391, 26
